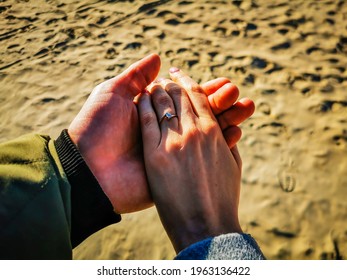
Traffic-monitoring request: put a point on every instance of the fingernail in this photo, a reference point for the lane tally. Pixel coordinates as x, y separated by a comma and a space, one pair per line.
159, 80
174, 70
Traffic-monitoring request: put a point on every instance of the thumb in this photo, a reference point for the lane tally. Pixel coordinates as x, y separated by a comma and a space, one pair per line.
136, 78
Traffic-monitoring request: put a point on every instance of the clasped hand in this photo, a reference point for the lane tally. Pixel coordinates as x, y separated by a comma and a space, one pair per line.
193, 177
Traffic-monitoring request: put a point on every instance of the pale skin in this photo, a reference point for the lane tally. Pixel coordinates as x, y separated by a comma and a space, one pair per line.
107, 131
193, 176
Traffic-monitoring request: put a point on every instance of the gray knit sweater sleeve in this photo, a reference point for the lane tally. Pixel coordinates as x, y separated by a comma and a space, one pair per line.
232, 246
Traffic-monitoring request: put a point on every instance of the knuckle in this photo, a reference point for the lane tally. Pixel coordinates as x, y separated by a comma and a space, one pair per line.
174, 89
175, 147
162, 100
148, 119
192, 134
211, 128
196, 88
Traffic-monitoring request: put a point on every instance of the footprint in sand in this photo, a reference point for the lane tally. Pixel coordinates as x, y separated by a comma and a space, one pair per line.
265, 108
286, 179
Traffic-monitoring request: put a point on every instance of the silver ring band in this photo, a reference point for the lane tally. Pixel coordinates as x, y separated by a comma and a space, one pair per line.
167, 116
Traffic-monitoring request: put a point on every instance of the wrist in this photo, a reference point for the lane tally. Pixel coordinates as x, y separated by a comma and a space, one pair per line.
183, 238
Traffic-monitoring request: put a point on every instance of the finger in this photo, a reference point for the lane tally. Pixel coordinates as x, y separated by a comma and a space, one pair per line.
223, 98
149, 123
238, 113
183, 106
213, 85
163, 104
234, 150
195, 92
232, 135
136, 78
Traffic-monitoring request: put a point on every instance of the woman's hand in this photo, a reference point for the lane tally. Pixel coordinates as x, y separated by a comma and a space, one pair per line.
194, 178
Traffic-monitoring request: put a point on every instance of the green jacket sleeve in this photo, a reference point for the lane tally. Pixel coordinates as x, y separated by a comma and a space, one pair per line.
49, 199
35, 205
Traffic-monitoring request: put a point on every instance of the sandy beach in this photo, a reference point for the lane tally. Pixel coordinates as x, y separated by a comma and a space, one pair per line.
290, 57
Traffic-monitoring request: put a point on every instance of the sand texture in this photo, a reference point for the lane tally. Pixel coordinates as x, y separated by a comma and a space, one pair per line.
290, 57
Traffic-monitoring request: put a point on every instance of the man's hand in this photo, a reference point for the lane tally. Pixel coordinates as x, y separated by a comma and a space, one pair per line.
222, 97
107, 134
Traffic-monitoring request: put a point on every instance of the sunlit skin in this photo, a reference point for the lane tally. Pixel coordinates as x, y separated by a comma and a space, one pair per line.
107, 132
194, 178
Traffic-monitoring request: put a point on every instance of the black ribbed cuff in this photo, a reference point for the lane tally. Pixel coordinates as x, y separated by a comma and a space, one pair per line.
91, 210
